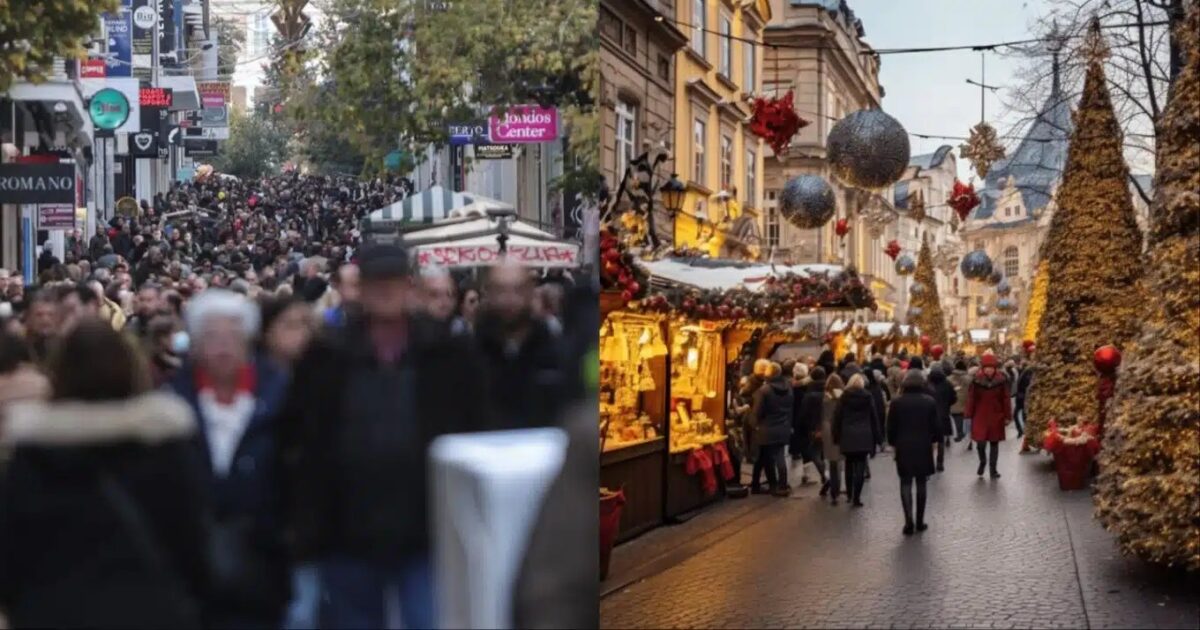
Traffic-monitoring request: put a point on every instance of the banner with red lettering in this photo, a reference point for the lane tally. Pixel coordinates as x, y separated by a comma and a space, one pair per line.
486, 253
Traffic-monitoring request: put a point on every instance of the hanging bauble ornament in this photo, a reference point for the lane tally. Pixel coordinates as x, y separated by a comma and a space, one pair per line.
976, 265
916, 290
936, 351
775, 120
1004, 288
842, 228
999, 320
868, 149
905, 265
892, 249
947, 257
877, 219
983, 148
1006, 305
982, 310
1106, 359
963, 199
914, 312
995, 278
807, 202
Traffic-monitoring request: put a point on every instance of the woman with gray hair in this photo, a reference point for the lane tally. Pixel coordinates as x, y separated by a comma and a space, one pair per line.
236, 398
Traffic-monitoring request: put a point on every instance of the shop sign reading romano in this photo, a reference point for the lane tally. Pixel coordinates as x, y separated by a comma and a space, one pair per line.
37, 183
547, 255
524, 123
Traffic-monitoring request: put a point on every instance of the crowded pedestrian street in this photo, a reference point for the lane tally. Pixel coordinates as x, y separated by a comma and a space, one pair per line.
1009, 553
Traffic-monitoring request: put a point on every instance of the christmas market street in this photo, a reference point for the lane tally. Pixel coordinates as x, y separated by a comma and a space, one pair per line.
1011, 553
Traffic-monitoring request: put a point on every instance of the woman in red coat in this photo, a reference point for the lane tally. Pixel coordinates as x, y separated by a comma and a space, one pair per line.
990, 410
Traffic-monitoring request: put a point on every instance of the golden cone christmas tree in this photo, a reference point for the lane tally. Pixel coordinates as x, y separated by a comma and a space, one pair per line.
1093, 252
931, 321
1148, 491
1037, 302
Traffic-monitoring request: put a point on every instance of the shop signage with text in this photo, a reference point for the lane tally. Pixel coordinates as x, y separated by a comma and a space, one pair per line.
548, 255
524, 123
493, 151
37, 183
155, 97
56, 217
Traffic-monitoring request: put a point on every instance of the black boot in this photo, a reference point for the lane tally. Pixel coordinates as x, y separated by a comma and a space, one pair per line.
921, 526
906, 503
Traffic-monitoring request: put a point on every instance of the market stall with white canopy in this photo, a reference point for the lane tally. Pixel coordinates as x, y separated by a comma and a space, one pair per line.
427, 206
476, 242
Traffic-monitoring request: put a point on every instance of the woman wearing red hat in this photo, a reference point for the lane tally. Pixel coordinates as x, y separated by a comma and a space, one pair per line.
990, 410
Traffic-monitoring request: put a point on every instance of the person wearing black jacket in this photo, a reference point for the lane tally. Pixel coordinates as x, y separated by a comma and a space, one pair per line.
914, 422
772, 417
806, 419
1023, 382
856, 432
365, 403
944, 395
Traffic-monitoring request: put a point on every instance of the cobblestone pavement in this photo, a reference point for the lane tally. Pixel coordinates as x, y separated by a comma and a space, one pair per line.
1010, 553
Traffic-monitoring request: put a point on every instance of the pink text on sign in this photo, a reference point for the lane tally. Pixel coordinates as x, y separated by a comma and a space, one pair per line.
524, 123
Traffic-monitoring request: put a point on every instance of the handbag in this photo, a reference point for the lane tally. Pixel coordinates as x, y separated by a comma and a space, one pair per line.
149, 548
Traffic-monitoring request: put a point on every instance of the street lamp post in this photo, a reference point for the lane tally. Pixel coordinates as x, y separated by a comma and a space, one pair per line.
672, 192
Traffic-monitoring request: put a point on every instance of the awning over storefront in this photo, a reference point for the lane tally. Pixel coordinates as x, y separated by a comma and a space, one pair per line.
428, 206
724, 275
54, 92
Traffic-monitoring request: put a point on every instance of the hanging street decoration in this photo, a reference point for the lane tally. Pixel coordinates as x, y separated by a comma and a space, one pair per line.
779, 299
916, 207
868, 149
916, 290
775, 120
963, 199
892, 249
1003, 288
618, 273
995, 278
946, 258
976, 265
982, 148
905, 265
807, 202
877, 219
913, 313
1006, 305
842, 228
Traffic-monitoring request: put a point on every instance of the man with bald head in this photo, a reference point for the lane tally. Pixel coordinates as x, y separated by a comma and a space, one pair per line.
522, 353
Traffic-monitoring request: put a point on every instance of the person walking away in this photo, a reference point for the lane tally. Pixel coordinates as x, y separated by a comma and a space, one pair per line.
799, 446
990, 410
878, 390
856, 432
945, 397
773, 429
1023, 383
960, 380
366, 401
834, 389
808, 409
521, 354
236, 398
104, 507
914, 422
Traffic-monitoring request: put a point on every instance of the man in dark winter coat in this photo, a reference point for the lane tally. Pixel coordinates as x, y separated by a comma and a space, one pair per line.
806, 418
1023, 382
944, 395
856, 432
365, 404
914, 422
772, 416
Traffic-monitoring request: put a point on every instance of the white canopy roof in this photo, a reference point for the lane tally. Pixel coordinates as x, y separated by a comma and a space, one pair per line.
879, 329
980, 335
475, 243
750, 277
427, 206
463, 228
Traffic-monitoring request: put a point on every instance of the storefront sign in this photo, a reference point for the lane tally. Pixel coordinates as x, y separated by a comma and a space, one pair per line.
493, 151
92, 68
143, 144
109, 109
213, 93
199, 148
165, 10
37, 183
467, 133
524, 123
119, 60
155, 97
547, 255
56, 217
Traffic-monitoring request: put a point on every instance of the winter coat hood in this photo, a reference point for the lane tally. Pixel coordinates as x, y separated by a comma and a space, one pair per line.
998, 379
936, 375
149, 418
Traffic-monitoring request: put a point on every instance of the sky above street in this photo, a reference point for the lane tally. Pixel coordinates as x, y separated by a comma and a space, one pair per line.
928, 92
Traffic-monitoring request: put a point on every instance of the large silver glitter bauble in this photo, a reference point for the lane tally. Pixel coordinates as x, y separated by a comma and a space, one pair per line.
976, 265
995, 278
1006, 305
807, 202
916, 290
1004, 288
905, 265
868, 149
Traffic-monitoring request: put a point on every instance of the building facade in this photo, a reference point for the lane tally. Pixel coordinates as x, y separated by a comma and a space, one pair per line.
824, 61
716, 156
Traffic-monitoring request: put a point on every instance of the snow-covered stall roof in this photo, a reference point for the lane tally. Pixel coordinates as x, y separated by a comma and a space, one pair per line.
880, 329
724, 275
980, 335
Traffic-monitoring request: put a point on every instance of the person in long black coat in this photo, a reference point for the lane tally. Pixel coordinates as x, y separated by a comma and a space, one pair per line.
806, 419
944, 395
772, 416
914, 423
856, 432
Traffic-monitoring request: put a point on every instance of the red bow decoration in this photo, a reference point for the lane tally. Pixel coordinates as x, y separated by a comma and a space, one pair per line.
892, 249
963, 199
776, 121
842, 228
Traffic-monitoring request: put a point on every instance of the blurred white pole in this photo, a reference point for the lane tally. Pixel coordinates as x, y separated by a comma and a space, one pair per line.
487, 490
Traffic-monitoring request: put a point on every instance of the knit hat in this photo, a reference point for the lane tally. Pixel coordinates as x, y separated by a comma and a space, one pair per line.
989, 360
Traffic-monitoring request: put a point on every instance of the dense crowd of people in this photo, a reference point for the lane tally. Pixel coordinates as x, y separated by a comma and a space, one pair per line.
216, 412
833, 417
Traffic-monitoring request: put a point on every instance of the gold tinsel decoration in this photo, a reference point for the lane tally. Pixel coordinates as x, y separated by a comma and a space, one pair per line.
931, 321
983, 148
1037, 301
1148, 491
1093, 294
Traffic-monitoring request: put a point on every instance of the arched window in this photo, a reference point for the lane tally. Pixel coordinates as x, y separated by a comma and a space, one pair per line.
1012, 261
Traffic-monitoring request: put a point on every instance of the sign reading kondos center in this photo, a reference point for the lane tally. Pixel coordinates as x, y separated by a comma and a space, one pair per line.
37, 183
524, 123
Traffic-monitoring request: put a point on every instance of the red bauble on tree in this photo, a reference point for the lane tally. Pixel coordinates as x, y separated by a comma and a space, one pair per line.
1106, 359
892, 249
776, 121
841, 228
925, 341
963, 199
936, 351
